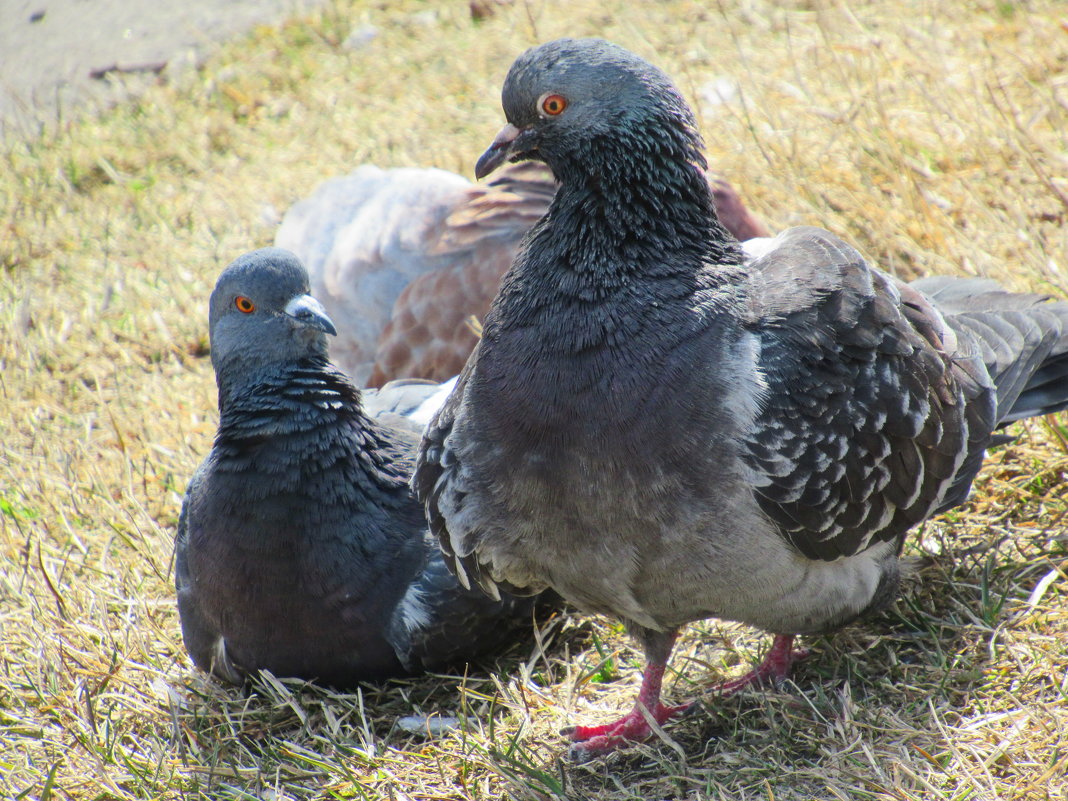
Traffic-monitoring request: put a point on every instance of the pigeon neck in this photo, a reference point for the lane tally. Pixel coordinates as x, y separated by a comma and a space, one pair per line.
298, 425
628, 249
638, 208
294, 398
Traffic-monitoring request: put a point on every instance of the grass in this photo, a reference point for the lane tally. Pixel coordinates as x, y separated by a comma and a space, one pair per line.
934, 135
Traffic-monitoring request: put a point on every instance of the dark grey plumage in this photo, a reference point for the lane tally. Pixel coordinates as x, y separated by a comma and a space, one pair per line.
300, 548
663, 432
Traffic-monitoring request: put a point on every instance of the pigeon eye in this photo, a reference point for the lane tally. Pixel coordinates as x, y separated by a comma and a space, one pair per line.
553, 104
244, 304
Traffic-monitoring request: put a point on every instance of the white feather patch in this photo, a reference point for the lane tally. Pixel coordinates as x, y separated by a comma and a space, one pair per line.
414, 613
428, 408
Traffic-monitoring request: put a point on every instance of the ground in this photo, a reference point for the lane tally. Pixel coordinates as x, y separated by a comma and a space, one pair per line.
932, 135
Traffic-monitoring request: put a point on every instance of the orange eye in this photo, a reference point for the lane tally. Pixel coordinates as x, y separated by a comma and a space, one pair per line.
553, 104
244, 304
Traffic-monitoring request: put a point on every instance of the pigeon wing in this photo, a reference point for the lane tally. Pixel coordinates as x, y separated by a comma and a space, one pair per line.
870, 409
438, 480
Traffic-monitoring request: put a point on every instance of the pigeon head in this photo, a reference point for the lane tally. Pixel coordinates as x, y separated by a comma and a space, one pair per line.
587, 104
261, 314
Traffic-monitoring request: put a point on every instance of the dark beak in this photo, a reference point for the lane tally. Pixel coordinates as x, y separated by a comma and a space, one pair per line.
310, 312
502, 149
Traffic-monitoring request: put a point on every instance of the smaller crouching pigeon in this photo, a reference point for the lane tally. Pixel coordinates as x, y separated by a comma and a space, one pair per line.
300, 548
663, 430
404, 258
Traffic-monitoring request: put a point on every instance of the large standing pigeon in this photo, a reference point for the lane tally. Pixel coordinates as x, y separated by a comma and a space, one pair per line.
404, 258
300, 548
664, 433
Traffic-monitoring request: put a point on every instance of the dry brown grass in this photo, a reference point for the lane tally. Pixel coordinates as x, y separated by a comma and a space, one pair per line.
933, 134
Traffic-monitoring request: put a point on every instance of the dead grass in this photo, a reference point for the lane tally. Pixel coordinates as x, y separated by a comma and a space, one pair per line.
935, 135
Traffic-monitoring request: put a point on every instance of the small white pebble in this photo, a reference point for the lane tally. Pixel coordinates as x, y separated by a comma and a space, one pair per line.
434, 725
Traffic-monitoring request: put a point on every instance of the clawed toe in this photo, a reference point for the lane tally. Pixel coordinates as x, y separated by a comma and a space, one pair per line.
592, 740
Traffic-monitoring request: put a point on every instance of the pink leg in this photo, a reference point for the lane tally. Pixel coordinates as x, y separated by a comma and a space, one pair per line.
776, 665
632, 727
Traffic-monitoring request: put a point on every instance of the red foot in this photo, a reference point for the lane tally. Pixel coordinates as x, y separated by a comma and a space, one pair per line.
776, 666
631, 728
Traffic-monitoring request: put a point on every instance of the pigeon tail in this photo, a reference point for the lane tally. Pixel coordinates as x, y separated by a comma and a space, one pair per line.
1022, 339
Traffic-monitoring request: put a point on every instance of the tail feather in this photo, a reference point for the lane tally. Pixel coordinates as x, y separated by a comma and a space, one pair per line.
954, 295
1015, 347
1046, 391
1022, 339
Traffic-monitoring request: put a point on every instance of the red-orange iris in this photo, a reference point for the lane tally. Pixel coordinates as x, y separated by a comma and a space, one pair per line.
244, 304
554, 104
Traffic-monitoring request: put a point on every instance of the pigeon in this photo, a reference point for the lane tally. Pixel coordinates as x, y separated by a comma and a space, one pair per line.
300, 548
405, 259
663, 430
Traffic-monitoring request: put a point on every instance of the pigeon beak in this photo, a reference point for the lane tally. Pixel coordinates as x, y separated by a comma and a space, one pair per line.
308, 311
502, 149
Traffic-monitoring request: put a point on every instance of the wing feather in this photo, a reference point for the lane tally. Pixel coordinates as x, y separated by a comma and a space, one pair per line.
867, 413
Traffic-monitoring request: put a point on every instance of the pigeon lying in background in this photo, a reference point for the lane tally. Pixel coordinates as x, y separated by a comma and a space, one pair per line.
300, 548
404, 258
664, 433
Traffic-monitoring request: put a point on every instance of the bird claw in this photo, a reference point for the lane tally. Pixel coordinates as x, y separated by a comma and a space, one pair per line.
587, 750
590, 741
